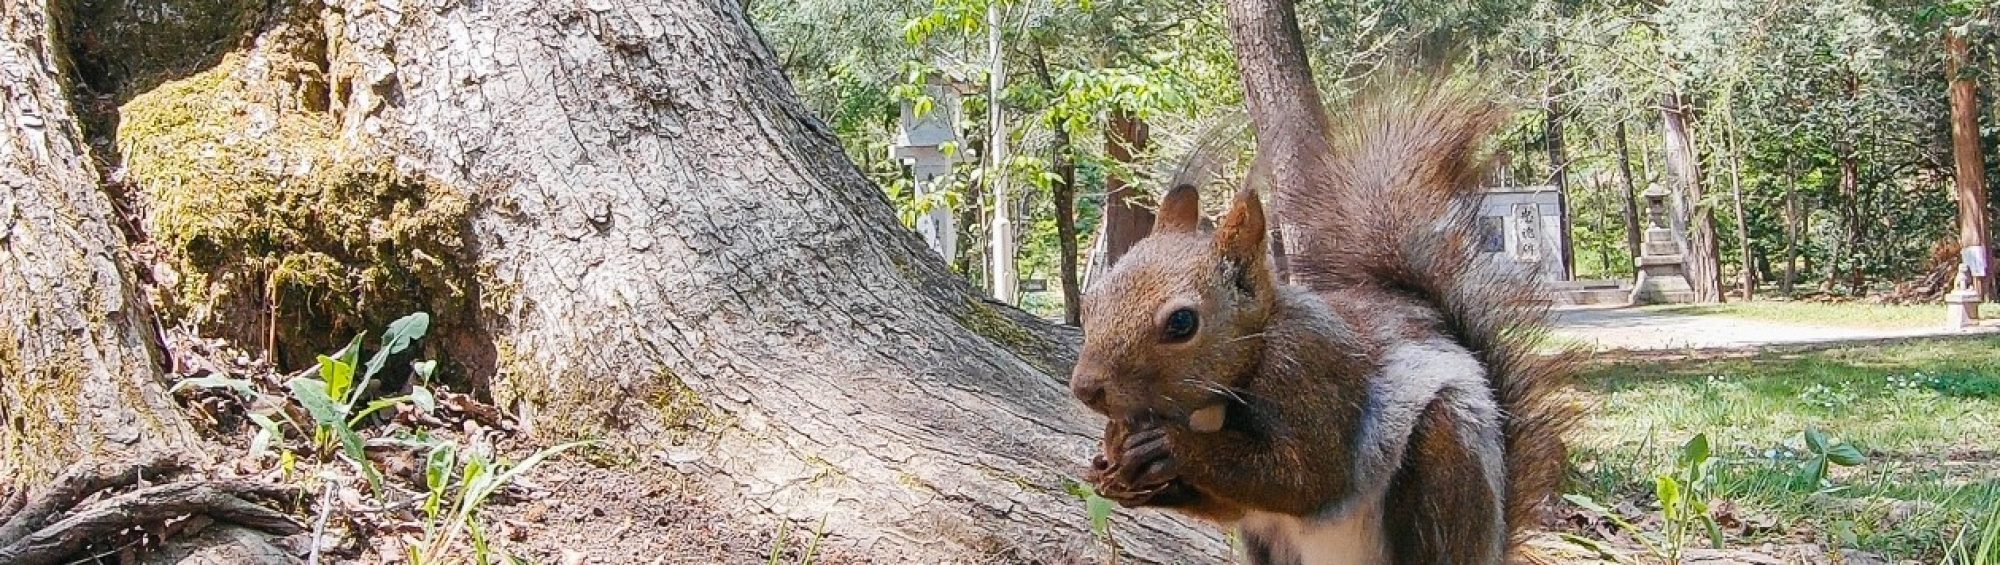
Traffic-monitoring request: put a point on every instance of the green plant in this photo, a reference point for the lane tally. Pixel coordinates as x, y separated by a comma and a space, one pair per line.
1978, 543
1683, 496
1099, 509
457, 484
1821, 454
331, 399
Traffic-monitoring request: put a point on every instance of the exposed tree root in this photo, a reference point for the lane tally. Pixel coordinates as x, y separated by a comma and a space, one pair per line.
29, 537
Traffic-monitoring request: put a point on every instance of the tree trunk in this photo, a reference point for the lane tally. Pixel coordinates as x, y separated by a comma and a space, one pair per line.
1003, 280
1632, 228
1125, 220
1749, 278
80, 370
1284, 105
1704, 269
1850, 207
1065, 201
1970, 171
675, 257
1792, 220
1559, 156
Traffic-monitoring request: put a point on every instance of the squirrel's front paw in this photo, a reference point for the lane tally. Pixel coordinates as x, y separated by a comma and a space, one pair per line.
1141, 472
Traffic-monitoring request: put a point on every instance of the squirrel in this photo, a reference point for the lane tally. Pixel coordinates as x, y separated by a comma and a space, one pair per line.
1384, 405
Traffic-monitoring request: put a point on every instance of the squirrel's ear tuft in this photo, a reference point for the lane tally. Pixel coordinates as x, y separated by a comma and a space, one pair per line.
1241, 235
1180, 210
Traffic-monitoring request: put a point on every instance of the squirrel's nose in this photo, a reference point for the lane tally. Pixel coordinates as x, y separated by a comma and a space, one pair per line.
1088, 386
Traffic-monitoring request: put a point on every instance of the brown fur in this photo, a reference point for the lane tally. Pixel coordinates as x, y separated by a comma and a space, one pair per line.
1385, 256
1428, 505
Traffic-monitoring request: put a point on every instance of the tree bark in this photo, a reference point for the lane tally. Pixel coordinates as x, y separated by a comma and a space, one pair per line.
1554, 119
1632, 229
1749, 274
1065, 200
80, 370
1792, 219
1970, 172
1125, 220
1850, 207
1003, 281
679, 256
1704, 270
1285, 108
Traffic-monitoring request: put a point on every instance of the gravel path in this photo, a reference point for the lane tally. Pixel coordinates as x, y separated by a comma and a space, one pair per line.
1633, 329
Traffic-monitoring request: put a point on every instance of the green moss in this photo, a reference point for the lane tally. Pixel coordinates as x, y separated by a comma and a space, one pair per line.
264, 210
42, 412
988, 322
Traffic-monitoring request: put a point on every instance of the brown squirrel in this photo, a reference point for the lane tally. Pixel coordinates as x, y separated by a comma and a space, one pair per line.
1383, 406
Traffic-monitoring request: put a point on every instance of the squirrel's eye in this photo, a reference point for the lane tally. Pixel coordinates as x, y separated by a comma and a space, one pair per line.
1181, 325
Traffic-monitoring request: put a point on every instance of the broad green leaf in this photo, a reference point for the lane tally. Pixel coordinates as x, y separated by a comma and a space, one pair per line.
1694, 451
1815, 441
1714, 531
422, 397
401, 333
338, 376
241, 386
1100, 515
1845, 455
1586, 503
312, 394
1669, 491
424, 369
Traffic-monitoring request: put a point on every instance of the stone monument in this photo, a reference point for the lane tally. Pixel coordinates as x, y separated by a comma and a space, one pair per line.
1662, 276
1962, 303
920, 144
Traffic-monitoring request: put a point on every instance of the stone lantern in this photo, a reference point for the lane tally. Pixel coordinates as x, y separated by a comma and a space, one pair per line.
1662, 275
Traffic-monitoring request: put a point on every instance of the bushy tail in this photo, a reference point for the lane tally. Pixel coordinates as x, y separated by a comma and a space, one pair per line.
1396, 209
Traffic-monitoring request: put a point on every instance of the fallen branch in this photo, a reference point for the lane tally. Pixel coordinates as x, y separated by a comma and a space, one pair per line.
220, 500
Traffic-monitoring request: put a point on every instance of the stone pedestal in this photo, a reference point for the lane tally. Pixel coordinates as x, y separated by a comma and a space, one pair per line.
1961, 309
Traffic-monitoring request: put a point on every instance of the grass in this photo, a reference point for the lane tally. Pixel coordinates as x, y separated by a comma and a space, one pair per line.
1835, 314
1923, 413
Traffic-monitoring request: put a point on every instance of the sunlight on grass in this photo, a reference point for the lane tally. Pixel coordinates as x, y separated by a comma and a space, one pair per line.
1925, 415
1836, 314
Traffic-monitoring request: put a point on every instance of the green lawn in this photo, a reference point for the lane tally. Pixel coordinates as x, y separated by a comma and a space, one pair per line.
1926, 415
1836, 314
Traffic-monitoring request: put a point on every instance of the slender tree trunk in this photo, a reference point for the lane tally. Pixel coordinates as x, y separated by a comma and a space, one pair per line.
1684, 166
1064, 193
1749, 275
80, 370
1003, 281
1284, 104
1555, 118
1065, 201
1792, 220
1850, 195
1631, 196
1126, 221
1970, 171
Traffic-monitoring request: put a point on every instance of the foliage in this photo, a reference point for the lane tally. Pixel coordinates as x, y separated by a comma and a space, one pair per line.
1683, 496
458, 482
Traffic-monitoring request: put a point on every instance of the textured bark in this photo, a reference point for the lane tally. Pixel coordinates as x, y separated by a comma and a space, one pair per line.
1125, 221
1631, 196
1556, 117
80, 373
1065, 200
678, 255
1792, 218
1749, 274
1704, 269
1284, 105
1970, 172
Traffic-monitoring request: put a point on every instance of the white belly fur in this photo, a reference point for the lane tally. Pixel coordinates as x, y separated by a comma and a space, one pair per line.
1353, 539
